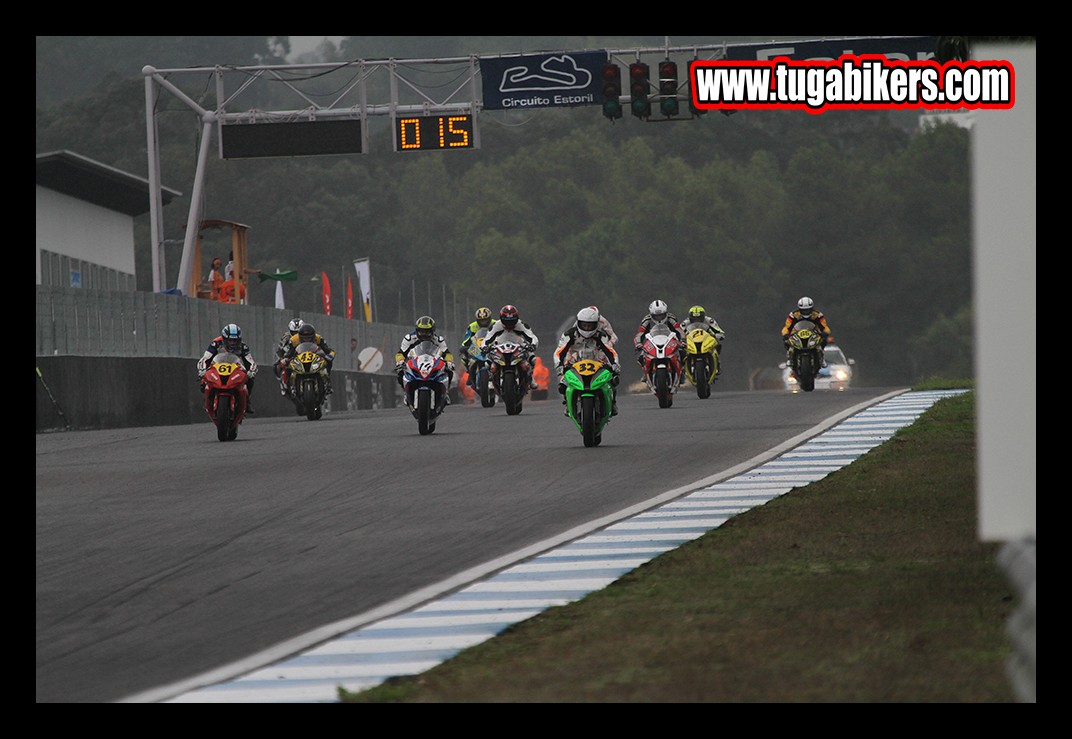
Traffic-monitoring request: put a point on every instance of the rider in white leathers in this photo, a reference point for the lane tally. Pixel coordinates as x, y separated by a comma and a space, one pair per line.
510, 327
587, 339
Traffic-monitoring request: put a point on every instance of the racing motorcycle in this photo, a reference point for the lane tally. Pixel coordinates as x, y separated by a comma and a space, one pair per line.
480, 372
806, 353
308, 370
589, 398
701, 358
662, 364
425, 380
510, 366
226, 394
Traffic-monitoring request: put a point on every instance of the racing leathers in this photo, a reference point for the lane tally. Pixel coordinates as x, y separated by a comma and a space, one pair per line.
468, 342
281, 350
815, 316
241, 349
317, 339
522, 334
712, 327
411, 340
573, 347
646, 324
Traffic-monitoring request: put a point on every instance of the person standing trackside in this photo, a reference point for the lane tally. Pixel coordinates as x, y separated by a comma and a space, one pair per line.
215, 278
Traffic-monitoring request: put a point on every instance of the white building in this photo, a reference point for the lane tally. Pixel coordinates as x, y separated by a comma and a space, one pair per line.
85, 222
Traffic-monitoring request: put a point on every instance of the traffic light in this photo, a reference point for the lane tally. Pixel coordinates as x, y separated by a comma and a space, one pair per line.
639, 74
668, 88
612, 91
691, 105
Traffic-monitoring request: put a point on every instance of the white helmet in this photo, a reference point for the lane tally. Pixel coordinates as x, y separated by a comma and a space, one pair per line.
295, 325
805, 305
657, 310
588, 321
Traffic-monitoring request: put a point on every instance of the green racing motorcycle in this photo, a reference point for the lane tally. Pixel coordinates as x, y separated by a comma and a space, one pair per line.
589, 398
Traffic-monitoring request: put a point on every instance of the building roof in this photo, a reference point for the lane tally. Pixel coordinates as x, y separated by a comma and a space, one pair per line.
75, 175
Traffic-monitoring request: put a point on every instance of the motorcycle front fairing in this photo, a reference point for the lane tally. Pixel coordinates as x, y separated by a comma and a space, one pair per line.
226, 378
425, 368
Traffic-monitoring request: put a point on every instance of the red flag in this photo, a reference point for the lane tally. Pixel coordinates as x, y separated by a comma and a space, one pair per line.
326, 288
349, 298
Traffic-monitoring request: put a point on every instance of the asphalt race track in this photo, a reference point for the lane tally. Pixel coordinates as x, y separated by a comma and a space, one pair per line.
163, 554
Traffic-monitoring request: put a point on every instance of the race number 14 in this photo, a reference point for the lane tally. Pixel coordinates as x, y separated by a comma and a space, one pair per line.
434, 132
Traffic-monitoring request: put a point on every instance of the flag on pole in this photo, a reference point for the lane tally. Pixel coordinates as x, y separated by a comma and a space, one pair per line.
349, 298
279, 304
364, 278
288, 276
326, 290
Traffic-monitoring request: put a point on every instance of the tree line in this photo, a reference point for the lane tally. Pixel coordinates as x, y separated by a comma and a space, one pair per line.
863, 211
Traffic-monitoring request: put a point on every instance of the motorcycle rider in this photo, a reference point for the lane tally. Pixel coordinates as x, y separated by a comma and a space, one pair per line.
806, 311
511, 327
658, 312
605, 327
586, 339
697, 314
307, 335
281, 352
483, 320
423, 330
230, 340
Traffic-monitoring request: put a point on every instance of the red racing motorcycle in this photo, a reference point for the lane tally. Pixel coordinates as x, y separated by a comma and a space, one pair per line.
662, 363
226, 394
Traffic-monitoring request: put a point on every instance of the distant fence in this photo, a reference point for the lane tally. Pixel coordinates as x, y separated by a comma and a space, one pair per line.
78, 330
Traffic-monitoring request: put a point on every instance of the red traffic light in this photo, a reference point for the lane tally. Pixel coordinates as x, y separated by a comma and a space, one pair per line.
668, 77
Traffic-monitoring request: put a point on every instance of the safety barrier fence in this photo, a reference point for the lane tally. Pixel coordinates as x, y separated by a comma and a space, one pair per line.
115, 359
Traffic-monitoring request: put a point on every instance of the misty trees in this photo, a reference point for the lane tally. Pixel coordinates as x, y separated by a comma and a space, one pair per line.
561, 209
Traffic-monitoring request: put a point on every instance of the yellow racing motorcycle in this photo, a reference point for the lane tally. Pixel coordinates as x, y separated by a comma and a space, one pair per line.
701, 358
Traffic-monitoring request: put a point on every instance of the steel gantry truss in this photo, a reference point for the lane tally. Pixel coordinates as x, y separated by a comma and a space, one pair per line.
341, 91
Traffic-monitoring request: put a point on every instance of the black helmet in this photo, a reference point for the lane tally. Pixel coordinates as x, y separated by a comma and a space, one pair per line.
425, 328
509, 316
232, 337
483, 317
307, 332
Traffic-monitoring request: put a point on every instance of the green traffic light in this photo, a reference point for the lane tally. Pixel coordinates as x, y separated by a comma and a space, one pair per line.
669, 107
641, 108
612, 109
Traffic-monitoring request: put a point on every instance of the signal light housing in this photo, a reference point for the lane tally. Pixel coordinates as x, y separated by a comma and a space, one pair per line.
612, 91
639, 79
668, 88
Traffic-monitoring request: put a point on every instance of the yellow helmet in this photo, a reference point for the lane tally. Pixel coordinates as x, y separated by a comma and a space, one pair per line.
483, 317
425, 327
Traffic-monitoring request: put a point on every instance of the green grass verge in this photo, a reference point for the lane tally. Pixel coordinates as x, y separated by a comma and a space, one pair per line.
868, 586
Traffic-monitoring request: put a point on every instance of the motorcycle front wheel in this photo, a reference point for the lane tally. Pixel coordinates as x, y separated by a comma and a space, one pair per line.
700, 378
310, 399
662, 387
511, 394
588, 420
807, 372
425, 425
223, 418
483, 389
